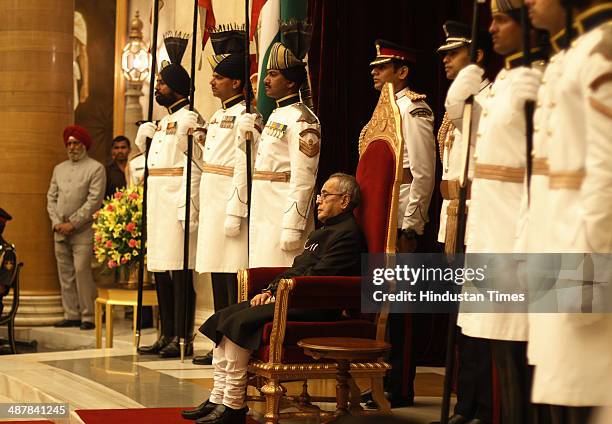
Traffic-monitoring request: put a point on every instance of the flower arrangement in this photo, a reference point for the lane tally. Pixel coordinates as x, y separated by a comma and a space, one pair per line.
117, 229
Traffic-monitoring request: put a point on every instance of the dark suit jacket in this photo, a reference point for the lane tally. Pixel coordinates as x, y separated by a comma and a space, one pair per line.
334, 249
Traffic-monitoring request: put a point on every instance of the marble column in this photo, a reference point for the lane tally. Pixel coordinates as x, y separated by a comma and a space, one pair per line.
36, 48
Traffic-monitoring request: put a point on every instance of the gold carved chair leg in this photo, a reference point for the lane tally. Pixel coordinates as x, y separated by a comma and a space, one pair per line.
378, 394
273, 391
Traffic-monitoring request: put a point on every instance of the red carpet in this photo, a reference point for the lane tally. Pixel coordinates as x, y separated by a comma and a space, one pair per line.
136, 416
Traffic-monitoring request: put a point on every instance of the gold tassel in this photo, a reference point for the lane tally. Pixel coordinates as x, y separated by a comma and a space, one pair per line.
451, 227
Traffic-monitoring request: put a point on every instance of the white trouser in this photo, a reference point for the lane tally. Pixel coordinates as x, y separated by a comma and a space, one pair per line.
230, 363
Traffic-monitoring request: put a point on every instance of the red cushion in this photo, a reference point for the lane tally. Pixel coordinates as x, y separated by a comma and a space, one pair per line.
259, 278
375, 175
324, 292
297, 331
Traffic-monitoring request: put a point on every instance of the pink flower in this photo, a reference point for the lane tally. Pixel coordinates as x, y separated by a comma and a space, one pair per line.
98, 238
124, 260
133, 196
110, 208
132, 243
109, 244
131, 226
112, 264
118, 195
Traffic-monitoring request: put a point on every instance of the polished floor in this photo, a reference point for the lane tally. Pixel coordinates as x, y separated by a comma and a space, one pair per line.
69, 369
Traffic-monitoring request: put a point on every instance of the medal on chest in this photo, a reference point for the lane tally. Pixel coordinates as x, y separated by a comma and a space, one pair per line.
274, 129
228, 122
171, 128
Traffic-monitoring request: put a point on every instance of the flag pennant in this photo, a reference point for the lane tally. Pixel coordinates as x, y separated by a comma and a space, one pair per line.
207, 19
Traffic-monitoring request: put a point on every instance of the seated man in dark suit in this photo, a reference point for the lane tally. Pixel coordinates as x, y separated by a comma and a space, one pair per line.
333, 249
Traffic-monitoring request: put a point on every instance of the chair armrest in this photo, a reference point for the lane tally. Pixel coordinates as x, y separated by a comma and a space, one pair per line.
325, 292
252, 281
310, 292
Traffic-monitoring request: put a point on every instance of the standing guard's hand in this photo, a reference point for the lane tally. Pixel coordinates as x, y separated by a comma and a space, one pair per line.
246, 123
189, 121
290, 239
145, 130
466, 84
525, 86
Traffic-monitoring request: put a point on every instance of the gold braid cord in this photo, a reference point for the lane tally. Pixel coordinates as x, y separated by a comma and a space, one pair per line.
415, 96
445, 136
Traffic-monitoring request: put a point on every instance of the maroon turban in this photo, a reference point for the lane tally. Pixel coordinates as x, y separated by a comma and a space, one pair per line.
79, 133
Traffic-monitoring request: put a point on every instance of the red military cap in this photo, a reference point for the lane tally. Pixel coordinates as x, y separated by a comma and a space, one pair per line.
386, 51
79, 133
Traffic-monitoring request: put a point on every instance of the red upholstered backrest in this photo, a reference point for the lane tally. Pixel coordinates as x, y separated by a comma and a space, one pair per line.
375, 175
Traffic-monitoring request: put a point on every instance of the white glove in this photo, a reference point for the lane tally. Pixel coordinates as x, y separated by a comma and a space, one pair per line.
525, 87
232, 225
465, 85
290, 239
187, 122
145, 130
246, 123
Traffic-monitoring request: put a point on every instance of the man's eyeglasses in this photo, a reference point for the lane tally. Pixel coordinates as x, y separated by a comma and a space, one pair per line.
323, 195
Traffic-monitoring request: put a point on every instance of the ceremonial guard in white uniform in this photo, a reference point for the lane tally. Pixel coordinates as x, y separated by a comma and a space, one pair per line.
222, 238
166, 187
392, 65
474, 400
571, 353
286, 165
497, 192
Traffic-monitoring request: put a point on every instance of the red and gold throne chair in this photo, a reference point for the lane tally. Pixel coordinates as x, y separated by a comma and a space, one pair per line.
279, 359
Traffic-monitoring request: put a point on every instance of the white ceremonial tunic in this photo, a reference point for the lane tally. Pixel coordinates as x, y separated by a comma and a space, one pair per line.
497, 191
451, 148
576, 368
166, 197
223, 191
289, 147
419, 156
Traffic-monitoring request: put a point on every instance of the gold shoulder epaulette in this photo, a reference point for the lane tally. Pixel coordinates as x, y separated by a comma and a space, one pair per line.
415, 96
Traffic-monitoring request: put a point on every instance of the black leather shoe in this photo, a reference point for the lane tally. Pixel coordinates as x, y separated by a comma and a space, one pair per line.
203, 359
458, 419
221, 414
199, 411
173, 350
68, 323
86, 325
475, 421
156, 347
